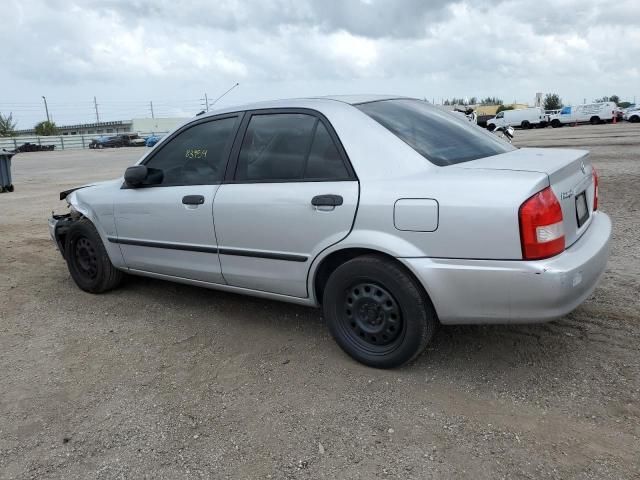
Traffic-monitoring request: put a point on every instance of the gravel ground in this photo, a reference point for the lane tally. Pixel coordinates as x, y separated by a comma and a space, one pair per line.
159, 380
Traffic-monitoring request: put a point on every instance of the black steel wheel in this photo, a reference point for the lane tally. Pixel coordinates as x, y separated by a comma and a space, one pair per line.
377, 312
87, 259
371, 317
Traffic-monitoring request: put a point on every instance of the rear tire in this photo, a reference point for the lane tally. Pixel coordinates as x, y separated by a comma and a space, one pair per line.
377, 312
525, 125
595, 120
87, 259
634, 119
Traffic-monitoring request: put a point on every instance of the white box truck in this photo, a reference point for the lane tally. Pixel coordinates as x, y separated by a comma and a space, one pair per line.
593, 113
522, 117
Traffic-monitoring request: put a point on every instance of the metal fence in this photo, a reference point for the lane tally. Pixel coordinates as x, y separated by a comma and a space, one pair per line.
61, 142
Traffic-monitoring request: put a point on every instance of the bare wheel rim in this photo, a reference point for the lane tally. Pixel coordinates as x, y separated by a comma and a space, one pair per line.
86, 258
371, 319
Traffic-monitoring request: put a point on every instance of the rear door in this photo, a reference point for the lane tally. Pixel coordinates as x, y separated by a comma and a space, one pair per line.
168, 228
290, 194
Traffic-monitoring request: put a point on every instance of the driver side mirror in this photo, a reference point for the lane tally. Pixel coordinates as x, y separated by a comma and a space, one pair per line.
136, 175
141, 175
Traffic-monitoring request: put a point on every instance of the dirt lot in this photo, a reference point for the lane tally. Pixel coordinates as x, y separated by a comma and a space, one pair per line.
158, 380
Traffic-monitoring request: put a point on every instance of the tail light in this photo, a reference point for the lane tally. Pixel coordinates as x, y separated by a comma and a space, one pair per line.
595, 189
541, 227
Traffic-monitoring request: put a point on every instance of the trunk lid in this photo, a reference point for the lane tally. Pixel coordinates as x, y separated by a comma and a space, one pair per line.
570, 177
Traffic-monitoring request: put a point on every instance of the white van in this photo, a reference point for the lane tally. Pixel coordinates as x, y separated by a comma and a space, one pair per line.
592, 113
522, 117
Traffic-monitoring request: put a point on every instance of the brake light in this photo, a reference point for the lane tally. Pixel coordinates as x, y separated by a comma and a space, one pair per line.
541, 227
595, 189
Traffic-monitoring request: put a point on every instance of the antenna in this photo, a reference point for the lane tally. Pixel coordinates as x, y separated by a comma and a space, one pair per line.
214, 102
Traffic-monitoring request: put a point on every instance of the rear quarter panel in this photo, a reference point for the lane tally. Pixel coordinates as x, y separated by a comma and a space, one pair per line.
478, 208
477, 213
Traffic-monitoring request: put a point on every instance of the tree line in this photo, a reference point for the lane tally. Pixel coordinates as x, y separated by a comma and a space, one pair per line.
8, 127
552, 101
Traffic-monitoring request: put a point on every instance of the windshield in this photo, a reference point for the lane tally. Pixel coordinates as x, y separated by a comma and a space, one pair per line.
439, 136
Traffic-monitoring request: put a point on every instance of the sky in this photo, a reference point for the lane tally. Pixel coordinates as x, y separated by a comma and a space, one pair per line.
128, 53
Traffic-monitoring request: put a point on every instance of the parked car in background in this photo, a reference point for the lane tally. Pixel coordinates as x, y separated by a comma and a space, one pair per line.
32, 147
132, 140
106, 141
522, 118
632, 115
152, 140
390, 214
593, 113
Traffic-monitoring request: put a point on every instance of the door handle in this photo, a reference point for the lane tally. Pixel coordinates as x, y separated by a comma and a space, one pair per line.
193, 199
328, 200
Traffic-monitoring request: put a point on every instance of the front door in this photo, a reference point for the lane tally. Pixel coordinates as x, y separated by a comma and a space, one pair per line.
168, 228
292, 195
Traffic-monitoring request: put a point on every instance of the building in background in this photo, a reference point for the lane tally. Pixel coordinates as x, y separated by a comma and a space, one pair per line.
135, 125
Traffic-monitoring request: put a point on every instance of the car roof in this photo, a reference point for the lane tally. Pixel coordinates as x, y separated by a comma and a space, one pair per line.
304, 102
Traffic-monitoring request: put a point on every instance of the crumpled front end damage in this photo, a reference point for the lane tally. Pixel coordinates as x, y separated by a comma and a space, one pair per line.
59, 223
59, 226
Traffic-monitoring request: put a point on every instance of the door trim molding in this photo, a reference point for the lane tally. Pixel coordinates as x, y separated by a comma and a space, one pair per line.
203, 248
260, 254
168, 246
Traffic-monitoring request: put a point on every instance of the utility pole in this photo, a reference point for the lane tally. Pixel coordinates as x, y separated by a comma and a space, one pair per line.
214, 102
206, 102
46, 108
95, 104
151, 105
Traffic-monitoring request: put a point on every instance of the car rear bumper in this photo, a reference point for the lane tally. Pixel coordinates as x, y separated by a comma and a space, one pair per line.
500, 291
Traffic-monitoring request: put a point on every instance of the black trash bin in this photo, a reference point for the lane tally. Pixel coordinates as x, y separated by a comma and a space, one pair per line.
5, 171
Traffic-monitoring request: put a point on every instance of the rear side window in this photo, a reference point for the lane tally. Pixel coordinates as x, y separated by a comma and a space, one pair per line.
324, 160
288, 147
437, 135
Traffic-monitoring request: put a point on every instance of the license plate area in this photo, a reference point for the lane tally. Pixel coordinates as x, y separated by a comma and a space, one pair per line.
582, 210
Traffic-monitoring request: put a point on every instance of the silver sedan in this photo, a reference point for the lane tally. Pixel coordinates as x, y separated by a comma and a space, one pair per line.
390, 214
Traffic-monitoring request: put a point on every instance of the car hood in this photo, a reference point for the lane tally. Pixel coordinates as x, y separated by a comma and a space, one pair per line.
105, 183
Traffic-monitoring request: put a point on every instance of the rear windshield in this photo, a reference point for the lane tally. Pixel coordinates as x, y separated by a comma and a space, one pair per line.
441, 137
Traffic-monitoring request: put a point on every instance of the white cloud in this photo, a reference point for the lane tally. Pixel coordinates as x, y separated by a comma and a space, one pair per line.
128, 52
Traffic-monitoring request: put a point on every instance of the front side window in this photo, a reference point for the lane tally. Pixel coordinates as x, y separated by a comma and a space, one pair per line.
197, 155
437, 135
288, 147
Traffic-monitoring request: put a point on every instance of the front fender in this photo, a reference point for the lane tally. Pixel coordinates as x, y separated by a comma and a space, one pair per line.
97, 205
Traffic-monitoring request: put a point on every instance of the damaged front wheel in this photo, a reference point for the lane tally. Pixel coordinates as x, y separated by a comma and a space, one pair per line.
87, 259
